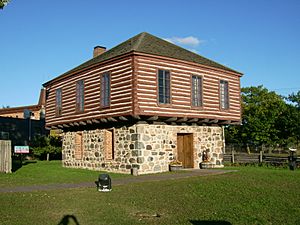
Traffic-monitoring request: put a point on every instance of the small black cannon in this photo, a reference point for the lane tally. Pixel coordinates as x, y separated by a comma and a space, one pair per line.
104, 183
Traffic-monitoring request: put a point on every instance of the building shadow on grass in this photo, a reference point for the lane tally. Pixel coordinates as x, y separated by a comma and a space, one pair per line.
17, 163
69, 220
210, 222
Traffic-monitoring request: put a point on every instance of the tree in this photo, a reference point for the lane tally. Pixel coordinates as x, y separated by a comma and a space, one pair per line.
46, 146
261, 118
3, 3
293, 122
295, 98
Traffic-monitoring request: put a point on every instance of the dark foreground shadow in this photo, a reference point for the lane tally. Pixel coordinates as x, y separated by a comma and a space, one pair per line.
18, 163
209, 222
68, 220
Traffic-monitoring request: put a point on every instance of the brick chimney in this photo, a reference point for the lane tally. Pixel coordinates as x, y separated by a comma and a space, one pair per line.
98, 50
42, 99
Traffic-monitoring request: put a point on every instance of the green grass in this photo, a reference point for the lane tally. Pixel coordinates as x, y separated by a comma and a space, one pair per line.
43, 172
253, 195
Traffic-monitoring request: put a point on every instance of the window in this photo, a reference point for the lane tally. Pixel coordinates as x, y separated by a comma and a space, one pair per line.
224, 94
58, 109
80, 96
196, 91
105, 90
164, 87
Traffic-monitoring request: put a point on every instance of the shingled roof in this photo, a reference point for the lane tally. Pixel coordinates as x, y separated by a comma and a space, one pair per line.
149, 44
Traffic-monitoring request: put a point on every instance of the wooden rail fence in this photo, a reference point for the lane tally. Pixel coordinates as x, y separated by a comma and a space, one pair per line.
234, 157
5, 156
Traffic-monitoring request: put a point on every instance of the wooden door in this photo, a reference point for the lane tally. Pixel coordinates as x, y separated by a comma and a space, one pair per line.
185, 150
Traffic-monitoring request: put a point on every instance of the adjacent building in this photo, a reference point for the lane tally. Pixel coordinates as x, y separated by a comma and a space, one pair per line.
143, 104
35, 112
22, 124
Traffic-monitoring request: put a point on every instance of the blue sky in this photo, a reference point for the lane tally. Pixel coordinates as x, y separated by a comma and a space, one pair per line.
43, 39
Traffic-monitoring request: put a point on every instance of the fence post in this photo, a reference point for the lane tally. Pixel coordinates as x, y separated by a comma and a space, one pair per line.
232, 156
260, 156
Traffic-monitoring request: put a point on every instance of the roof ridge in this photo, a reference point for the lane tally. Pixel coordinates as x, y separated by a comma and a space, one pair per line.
139, 41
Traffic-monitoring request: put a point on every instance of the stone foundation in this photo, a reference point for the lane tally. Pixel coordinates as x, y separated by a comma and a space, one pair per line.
148, 148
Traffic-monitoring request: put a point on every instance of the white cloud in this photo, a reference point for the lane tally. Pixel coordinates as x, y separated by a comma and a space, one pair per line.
189, 41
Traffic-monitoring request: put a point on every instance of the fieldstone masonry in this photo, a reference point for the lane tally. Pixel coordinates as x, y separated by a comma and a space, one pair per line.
148, 148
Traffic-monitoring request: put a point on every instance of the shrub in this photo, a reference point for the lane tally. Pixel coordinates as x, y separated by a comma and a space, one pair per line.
45, 146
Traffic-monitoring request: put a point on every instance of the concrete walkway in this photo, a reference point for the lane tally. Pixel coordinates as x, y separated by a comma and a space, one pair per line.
119, 181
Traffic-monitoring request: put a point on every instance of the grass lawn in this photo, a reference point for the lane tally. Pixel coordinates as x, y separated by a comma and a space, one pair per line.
253, 195
43, 172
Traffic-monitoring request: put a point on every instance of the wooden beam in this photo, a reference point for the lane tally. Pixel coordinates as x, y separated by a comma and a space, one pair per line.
123, 118
213, 121
53, 127
89, 122
225, 122
71, 124
193, 120
203, 121
103, 120
95, 121
236, 122
153, 118
66, 125
111, 119
82, 123
183, 119
172, 119
141, 122
136, 117
60, 126
76, 124
159, 123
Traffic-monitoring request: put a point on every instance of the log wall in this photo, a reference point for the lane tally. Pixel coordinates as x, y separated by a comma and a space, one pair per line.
146, 72
121, 94
134, 91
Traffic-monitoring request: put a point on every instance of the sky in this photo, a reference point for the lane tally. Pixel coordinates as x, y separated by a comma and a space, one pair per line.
40, 40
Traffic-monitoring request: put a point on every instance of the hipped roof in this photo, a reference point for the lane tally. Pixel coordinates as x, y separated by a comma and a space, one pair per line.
149, 44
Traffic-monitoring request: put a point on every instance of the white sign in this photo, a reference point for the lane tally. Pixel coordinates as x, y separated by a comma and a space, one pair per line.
21, 149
